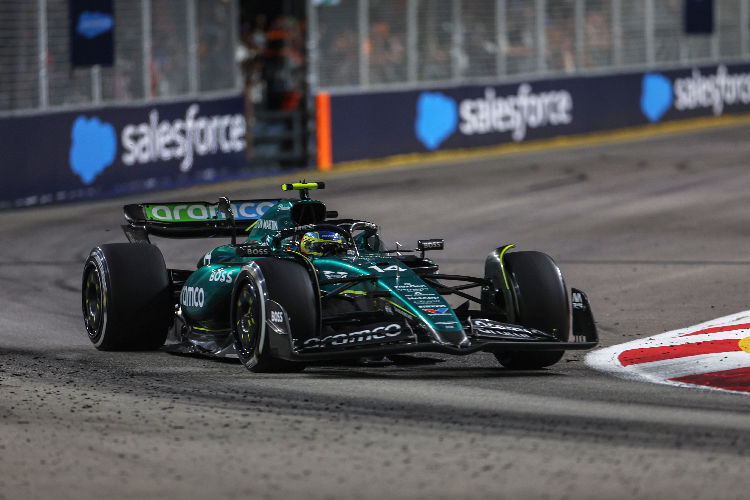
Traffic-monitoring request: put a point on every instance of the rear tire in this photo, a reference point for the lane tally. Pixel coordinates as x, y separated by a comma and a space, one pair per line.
543, 304
286, 283
126, 297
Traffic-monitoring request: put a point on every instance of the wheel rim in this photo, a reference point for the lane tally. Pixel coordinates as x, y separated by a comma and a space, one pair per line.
248, 318
93, 304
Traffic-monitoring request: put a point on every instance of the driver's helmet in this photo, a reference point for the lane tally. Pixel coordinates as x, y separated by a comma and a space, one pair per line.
321, 243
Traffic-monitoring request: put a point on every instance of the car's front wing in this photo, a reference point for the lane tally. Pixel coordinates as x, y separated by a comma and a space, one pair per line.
394, 337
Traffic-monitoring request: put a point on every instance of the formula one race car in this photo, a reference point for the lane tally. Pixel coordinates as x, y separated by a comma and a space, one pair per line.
307, 286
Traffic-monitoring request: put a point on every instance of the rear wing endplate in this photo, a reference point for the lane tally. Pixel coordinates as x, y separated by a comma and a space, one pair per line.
191, 219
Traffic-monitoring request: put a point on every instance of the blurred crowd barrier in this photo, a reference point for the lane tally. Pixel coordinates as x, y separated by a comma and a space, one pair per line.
164, 49
366, 44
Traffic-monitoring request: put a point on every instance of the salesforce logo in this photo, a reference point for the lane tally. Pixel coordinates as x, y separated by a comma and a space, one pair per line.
93, 147
656, 96
438, 115
94, 143
92, 24
158, 140
697, 91
437, 118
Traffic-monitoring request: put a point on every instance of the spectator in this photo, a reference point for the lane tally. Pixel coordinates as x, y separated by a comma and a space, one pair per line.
386, 52
520, 38
598, 39
283, 65
344, 57
481, 48
560, 32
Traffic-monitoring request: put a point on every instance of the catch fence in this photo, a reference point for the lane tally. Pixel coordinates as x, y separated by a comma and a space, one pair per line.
163, 50
361, 45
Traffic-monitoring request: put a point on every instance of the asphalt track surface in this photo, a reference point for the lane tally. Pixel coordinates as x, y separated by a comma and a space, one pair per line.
655, 231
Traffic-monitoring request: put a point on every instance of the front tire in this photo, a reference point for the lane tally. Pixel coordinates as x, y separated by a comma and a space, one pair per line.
126, 298
248, 324
288, 284
542, 303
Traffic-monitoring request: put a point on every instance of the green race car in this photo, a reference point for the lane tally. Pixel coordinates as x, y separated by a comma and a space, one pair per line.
307, 286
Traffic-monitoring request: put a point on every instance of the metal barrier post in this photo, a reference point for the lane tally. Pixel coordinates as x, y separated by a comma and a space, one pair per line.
146, 47
745, 28
313, 48
579, 35
717, 29
235, 21
42, 53
411, 40
192, 44
96, 84
650, 42
456, 42
363, 25
501, 37
617, 32
541, 36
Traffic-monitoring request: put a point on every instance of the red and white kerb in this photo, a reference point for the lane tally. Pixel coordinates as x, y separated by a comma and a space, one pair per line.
714, 355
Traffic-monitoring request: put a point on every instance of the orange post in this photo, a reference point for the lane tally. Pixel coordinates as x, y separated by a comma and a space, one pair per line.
323, 121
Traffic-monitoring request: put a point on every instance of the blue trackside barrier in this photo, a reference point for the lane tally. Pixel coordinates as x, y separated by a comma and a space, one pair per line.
102, 152
110, 151
376, 125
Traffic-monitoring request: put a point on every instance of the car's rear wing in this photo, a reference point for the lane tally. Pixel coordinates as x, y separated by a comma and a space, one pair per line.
192, 219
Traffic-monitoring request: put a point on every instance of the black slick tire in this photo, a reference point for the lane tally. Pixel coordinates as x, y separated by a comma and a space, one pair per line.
126, 297
542, 302
288, 284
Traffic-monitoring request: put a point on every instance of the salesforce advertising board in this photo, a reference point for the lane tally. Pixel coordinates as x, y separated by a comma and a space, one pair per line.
108, 151
392, 123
